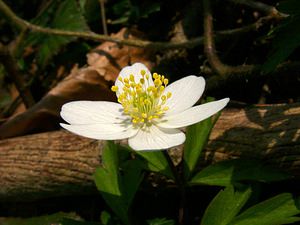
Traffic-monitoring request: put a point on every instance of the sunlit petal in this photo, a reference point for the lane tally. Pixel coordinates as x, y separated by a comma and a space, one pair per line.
185, 93
88, 112
193, 115
154, 138
102, 131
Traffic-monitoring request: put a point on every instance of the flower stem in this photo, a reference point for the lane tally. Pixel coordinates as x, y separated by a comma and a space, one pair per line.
181, 188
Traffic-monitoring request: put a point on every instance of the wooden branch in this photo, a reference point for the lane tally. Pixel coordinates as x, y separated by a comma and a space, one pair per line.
14, 74
60, 163
267, 9
209, 47
103, 16
24, 25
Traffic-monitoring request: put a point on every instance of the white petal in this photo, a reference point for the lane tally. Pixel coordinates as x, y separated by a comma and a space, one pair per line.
102, 131
88, 112
185, 93
135, 69
154, 138
193, 115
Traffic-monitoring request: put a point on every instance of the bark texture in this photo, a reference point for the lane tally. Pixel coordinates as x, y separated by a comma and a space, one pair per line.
60, 163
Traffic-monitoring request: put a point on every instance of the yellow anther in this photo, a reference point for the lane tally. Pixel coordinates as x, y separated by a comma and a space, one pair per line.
131, 77
166, 81
141, 102
157, 82
114, 88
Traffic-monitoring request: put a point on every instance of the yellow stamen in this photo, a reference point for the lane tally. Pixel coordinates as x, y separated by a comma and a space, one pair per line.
114, 88
131, 78
142, 101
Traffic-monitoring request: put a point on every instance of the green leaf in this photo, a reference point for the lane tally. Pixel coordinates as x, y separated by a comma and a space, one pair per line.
225, 206
127, 11
196, 138
56, 218
132, 177
109, 184
63, 15
156, 162
280, 209
118, 179
107, 219
234, 171
160, 221
286, 35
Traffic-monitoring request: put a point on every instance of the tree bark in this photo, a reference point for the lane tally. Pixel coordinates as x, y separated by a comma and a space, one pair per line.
59, 163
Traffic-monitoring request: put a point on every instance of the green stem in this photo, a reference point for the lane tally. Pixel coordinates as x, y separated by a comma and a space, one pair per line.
181, 188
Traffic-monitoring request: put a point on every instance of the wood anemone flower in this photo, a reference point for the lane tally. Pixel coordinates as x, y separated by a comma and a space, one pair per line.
149, 111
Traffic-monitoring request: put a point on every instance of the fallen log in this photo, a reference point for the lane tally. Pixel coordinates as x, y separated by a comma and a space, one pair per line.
59, 163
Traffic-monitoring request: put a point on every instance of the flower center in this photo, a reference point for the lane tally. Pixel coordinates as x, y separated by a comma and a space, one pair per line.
141, 101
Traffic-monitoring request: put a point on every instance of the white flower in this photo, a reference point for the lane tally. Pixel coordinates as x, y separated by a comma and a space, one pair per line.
149, 112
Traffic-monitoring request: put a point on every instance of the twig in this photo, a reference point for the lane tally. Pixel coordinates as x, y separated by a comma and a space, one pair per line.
11, 68
23, 24
103, 17
215, 82
267, 9
9, 110
210, 50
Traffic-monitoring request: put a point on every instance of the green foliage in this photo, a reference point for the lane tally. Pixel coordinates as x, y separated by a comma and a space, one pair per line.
225, 206
118, 180
129, 11
286, 35
196, 138
235, 171
224, 209
280, 209
108, 219
58, 218
156, 162
160, 221
63, 15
